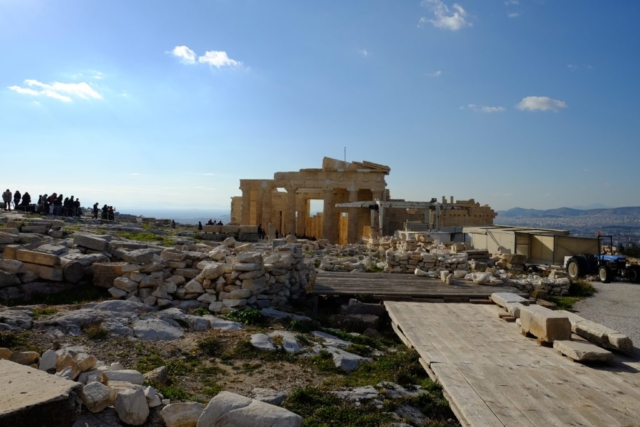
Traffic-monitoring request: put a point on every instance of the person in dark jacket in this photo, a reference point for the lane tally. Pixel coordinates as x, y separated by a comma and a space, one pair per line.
6, 198
95, 211
16, 199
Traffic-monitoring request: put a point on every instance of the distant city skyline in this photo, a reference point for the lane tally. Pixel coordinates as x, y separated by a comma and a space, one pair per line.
517, 103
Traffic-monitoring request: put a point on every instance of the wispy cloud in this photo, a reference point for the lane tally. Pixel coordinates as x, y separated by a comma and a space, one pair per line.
510, 2
483, 108
443, 17
64, 92
215, 58
186, 55
540, 103
218, 59
435, 74
513, 14
364, 53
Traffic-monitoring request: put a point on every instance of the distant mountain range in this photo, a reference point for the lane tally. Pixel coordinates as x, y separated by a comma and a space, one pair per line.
568, 212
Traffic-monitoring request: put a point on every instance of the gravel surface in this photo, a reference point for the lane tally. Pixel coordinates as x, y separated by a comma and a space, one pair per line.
616, 305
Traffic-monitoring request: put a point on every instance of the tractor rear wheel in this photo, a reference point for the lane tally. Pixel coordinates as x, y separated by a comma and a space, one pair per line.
633, 274
574, 269
605, 274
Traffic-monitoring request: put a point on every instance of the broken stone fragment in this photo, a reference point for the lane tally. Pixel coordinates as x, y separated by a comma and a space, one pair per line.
230, 409
582, 351
97, 396
131, 407
24, 357
182, 414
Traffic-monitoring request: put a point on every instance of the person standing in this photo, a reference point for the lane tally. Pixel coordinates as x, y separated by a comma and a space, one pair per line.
6, 198
16, 199
95, 211
199, 226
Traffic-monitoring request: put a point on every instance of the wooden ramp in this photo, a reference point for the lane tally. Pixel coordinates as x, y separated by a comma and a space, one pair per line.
403, 287
493, 376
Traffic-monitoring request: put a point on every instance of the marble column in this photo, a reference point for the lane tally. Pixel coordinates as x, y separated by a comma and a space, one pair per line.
353, 231
329, 227
291, 211
267, 207
259, 204
303, 213
246, 206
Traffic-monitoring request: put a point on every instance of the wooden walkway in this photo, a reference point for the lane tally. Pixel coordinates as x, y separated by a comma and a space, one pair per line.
403, 287
493, 376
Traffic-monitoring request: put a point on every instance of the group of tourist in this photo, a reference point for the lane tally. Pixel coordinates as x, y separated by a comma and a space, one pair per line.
54, 204
108, 212
20, 201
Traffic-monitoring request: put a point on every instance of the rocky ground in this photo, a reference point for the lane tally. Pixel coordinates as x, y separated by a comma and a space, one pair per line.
359, 375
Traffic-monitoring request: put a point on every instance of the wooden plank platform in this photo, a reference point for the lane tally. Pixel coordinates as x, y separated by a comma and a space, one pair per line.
404, 287
493, 376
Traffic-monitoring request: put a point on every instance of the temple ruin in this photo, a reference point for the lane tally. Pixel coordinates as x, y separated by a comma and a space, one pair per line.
282, 204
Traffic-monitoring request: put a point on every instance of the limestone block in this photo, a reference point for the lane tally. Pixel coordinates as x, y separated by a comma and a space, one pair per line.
248, 229
444, 274
582, 351
104, 273
131, 407
90, 242
173, 255
125, 284
243, 268
67, 361
11, 251
48, 360
8, 279
250, 258
97, 396
230, 409
117, 293
187, 273
47, 273
128, 375
547, 325
12, 266
207, 297
503, 299
239, 294
212, 228
86, 362
597, 333
24, 357
251, 274
212, 271
7, 239
230, 229
193, 287
229, 242
182, 414
142, 256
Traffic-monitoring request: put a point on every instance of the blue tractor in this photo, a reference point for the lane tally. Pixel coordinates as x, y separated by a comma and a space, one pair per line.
606, 267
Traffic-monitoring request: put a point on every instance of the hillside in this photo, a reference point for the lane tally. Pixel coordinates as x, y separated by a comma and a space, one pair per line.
568, 212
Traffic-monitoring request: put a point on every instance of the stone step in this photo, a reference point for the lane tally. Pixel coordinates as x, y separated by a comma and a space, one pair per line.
582, 351
30, 397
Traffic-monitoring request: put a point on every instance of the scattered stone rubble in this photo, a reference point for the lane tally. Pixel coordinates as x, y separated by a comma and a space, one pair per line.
104, 387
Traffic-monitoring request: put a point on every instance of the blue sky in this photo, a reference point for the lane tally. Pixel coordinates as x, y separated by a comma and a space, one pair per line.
144, 103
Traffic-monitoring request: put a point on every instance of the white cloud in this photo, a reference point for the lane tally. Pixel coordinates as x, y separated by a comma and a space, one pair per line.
483, 108
444, 17
185, 54
510, 2
436, 74
218, 59
514, 15
364, 52
540, 103
56, 90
